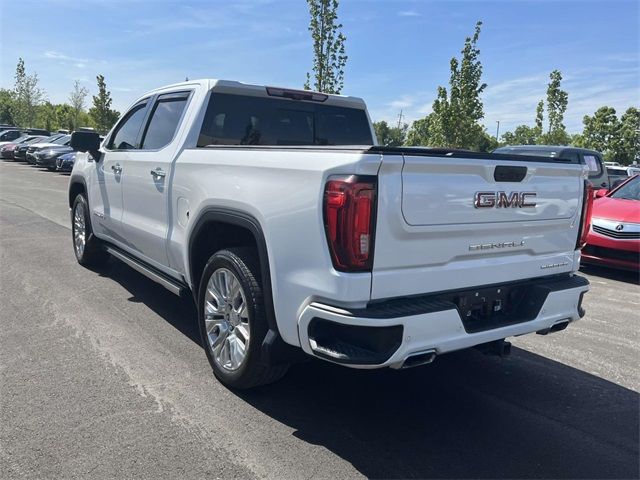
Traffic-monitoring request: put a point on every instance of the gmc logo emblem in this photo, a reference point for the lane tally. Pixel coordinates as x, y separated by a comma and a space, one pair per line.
504, 200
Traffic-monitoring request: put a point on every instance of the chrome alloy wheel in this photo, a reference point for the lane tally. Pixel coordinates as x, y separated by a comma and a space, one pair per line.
79, 230
226, 319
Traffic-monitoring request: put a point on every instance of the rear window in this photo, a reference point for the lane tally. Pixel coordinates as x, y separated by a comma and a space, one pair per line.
245, 120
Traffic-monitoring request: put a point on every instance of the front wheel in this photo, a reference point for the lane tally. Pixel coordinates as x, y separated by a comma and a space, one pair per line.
232, 319
88, 249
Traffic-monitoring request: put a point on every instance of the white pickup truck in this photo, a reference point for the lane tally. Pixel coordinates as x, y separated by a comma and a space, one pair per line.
295, 233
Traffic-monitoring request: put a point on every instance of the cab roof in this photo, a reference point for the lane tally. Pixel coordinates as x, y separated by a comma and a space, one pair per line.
240, 88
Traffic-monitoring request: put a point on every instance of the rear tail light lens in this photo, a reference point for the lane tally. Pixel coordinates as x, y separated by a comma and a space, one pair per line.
349, 221
585, 218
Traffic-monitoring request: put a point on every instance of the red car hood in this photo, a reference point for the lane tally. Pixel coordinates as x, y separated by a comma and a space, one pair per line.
617, 209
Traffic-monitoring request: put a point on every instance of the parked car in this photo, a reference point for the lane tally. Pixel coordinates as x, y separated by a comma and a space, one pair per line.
37, 131
20, 153
46, 157
617, 175
10, 135
35, 148
597, 172
64, 163
611, 164
614, 238
7, 150
295, 234
16, 140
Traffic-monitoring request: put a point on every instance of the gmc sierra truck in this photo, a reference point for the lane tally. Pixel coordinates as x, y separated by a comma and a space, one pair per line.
295, 233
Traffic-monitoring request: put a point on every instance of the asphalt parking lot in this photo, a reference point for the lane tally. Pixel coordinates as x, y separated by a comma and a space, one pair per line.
102, 375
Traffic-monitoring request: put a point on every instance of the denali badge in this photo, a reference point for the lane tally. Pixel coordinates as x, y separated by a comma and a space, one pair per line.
492, 246
502, 200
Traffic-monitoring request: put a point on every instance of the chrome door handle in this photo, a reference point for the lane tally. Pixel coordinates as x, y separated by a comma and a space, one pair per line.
158, 173
116, 168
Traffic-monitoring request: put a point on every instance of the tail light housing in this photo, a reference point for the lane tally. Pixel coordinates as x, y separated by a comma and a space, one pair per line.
585, 217
349, 221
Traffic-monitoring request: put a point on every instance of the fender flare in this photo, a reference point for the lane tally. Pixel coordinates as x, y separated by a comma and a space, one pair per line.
76, 180
274, 349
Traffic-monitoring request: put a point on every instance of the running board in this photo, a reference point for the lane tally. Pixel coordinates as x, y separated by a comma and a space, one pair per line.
172, 285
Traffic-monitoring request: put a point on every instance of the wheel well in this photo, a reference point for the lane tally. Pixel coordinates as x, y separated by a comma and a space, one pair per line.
212, 237
74, 189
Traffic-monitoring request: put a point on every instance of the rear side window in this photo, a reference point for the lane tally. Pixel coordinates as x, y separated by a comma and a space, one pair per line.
594, 165
165, 118
125, 136
245, 120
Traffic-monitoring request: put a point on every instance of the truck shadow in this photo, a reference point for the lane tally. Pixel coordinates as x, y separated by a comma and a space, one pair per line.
465, 416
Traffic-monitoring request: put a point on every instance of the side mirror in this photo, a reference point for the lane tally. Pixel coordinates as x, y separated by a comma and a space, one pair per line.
86, 142
601, 192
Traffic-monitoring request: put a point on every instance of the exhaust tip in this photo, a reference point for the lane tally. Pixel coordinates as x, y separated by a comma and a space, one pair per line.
556, 327
559, 326
419, 358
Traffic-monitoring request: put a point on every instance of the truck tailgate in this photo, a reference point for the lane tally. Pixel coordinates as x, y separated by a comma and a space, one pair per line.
449, 223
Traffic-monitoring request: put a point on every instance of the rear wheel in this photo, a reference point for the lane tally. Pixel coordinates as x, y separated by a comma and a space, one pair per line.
88, 249
232, 319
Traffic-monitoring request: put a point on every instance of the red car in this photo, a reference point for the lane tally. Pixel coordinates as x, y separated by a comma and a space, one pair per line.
614, 237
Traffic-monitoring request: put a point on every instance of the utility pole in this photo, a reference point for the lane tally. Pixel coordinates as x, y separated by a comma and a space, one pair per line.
498, 130
400, 117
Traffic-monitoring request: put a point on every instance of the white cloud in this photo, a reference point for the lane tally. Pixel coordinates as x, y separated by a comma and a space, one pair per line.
409, 13
64, 58
513, 101
406, 101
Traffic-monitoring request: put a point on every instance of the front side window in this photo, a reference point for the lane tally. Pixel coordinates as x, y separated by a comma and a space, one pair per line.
248, 120
125, 136
164, 120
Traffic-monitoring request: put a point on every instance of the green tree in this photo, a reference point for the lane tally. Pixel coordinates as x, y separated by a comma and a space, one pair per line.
329, 58
522, 135
539, 121
6, 106
390, 136
64, 114
602, 132
629, 142
419, 133
76, 99
27, 96
557, 101
102, 116
577, 140
457, 112
487, 143
47, 117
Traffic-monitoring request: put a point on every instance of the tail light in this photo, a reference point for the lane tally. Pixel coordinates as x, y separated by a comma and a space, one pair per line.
585, 218
349, 221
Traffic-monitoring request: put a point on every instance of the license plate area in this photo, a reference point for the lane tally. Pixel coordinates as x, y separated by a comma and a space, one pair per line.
492, 307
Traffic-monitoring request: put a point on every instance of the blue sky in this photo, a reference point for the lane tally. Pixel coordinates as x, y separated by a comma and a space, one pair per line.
399, 51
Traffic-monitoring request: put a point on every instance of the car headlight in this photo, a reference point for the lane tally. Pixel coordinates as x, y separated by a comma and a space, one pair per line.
46, 154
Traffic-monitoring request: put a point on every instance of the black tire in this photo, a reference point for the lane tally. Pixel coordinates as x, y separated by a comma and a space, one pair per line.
243, 263
93, 254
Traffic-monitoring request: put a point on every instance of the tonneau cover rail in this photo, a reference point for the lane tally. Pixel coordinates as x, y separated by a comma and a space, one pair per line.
458, 153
